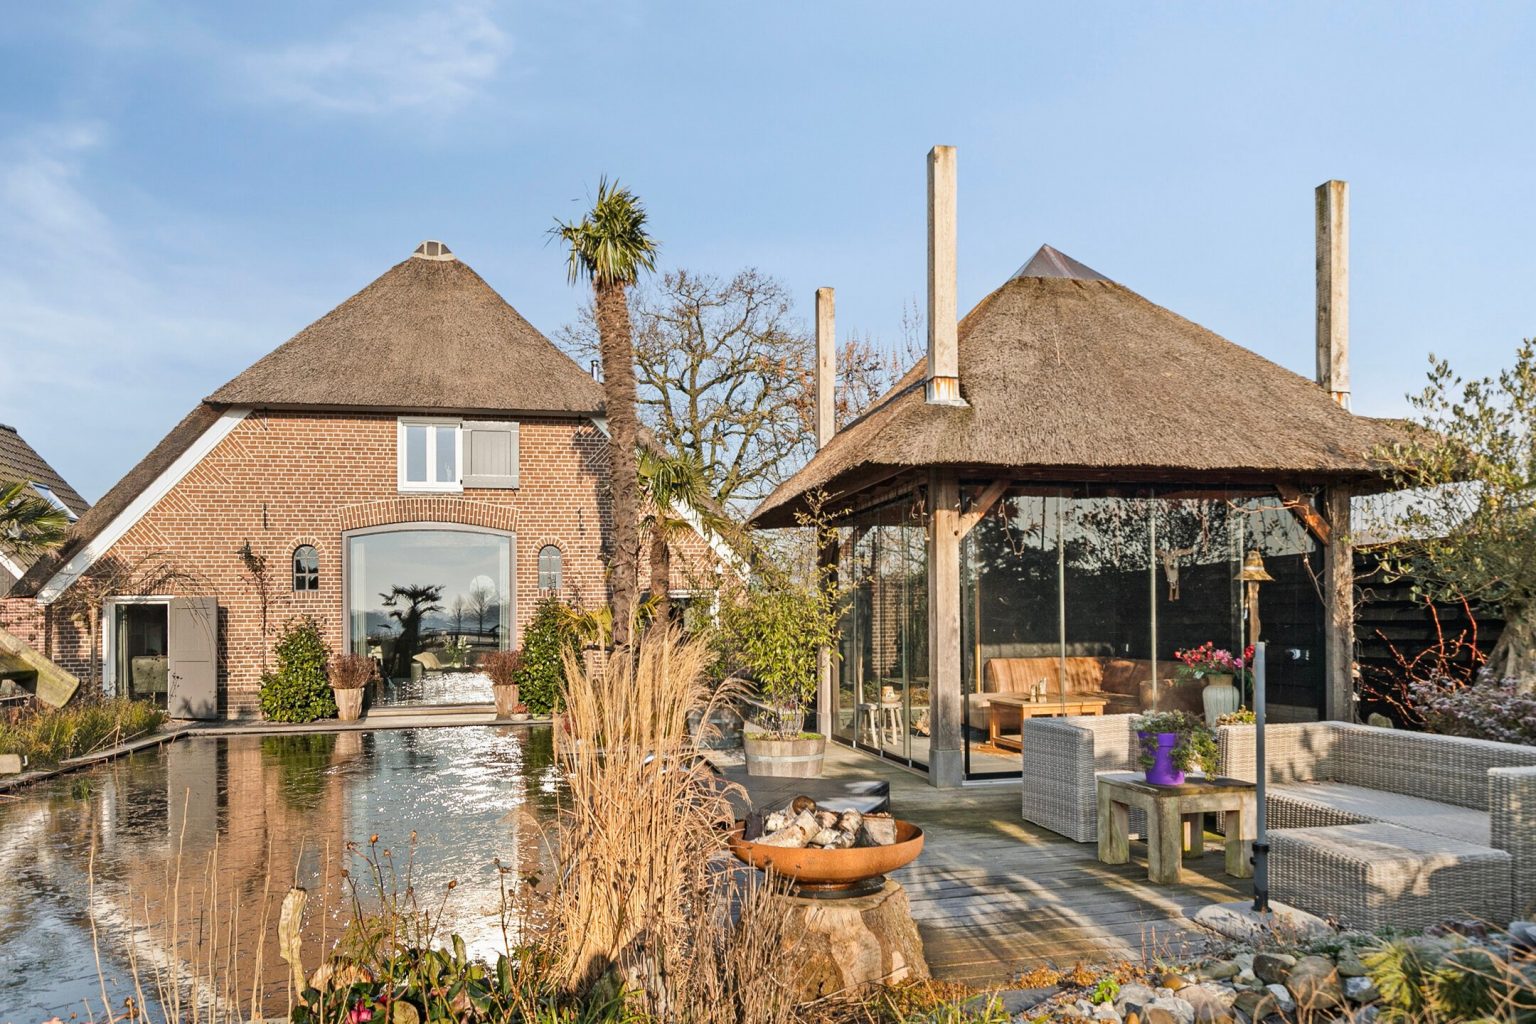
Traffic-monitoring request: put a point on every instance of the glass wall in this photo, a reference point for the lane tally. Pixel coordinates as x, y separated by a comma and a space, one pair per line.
882, 665
425, 602
1076, 600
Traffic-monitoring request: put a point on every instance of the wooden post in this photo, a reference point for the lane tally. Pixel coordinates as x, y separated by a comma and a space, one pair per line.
826, 366
1333, 289
1339, 609
826, 666
946, 752
55, 686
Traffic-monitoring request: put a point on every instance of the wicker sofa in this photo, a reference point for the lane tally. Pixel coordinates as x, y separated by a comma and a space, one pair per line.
1382, 826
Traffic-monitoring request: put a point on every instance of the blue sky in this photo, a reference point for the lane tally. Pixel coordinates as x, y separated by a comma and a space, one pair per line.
184, 186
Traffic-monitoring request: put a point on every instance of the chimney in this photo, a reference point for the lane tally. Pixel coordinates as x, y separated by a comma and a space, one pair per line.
943, 317
826, 367
1333, 289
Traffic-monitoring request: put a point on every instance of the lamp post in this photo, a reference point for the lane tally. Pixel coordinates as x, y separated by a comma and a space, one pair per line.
1254, 574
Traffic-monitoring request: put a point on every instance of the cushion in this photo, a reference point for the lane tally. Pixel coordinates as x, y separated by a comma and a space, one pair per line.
1362, 804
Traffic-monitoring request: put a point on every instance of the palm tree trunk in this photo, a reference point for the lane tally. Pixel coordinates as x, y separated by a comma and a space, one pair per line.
661, 578
617, 349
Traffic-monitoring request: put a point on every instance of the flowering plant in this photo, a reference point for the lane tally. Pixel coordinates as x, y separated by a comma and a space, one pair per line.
1210, 660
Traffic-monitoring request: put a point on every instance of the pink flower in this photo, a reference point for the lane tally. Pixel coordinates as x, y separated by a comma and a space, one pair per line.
360, 1014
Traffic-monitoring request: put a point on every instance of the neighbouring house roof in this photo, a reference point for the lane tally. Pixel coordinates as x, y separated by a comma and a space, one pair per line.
20, 461
1065, 371
427, 334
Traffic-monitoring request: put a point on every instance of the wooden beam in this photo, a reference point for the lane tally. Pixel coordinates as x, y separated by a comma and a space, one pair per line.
984, 504
1339, 611
946, 754
54, 685
1302, 509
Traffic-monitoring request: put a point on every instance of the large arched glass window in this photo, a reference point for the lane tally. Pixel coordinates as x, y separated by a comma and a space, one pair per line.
306, 568
549, 567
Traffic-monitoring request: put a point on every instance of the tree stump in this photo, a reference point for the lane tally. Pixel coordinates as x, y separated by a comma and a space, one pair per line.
848, 945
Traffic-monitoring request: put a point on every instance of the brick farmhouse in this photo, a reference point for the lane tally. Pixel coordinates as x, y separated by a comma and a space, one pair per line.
420, 435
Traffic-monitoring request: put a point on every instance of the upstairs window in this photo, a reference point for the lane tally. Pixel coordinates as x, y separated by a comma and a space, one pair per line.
549, 567
428, 459
306, 568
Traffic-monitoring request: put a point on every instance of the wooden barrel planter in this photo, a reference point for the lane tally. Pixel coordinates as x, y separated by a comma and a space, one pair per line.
798, 758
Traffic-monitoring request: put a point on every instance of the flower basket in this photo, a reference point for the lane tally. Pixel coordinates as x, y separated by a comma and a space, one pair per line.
1172, 743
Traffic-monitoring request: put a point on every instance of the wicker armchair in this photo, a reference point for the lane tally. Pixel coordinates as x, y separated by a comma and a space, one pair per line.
1062, 761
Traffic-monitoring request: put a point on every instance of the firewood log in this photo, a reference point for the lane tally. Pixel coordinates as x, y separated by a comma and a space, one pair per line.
879, 830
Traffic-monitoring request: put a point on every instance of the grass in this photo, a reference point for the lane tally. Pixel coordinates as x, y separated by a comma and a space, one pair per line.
48, 736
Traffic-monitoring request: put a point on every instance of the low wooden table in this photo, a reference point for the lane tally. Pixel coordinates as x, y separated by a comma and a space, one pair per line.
1172, 812
1027, 709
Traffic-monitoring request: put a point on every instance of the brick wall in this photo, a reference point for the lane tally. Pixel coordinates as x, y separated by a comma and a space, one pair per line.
282, 479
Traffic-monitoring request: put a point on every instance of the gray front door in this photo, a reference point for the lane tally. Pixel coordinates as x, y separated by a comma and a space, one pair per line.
193, 683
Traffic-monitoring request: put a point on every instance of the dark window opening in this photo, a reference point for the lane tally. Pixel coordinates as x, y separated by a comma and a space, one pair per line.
306, 568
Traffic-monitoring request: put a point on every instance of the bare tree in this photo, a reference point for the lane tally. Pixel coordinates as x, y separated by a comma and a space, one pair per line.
725, 376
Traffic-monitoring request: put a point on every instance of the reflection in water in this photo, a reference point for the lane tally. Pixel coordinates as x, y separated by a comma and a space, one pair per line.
436, 688
250, 816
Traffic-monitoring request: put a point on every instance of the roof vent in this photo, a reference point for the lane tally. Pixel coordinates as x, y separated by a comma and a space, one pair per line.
432, 250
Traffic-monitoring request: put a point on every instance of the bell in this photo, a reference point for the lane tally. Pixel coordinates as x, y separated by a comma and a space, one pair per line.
1253, 570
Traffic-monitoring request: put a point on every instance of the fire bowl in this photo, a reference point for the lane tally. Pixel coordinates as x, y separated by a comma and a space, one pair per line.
832, 873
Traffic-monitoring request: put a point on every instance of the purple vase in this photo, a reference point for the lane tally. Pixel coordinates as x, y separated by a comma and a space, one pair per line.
1162, 772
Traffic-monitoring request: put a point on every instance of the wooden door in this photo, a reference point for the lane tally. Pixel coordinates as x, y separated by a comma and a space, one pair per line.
193, 683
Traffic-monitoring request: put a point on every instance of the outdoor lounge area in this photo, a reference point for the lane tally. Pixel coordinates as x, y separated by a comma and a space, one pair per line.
1374, 827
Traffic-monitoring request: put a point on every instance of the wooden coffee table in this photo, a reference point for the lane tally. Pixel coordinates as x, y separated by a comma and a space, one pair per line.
1027, 709
1172, 812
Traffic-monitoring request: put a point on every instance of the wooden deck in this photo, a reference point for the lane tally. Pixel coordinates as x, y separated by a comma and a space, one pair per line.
994, 896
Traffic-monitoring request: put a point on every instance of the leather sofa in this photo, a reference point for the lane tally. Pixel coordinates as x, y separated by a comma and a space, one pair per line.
1125, 684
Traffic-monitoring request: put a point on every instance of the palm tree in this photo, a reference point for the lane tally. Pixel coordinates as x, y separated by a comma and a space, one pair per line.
410, 603
29, 523
669, 484
610, 247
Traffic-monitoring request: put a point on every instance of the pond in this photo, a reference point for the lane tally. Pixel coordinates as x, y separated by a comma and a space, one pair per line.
246, 817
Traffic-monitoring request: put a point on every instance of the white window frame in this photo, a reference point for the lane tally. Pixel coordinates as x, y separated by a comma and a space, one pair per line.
456, 486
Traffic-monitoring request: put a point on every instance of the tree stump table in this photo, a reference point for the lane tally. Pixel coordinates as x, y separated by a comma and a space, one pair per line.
846, 945
1175, 821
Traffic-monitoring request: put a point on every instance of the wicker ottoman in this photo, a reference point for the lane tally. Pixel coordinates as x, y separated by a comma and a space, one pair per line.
1373, 875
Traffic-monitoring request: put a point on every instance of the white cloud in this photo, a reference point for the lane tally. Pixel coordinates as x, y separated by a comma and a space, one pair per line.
433, 57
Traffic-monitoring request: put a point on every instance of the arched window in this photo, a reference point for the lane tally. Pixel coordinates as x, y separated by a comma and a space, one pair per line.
549, 567
306, 568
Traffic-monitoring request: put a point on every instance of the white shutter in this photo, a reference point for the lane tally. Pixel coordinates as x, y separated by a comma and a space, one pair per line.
490, 454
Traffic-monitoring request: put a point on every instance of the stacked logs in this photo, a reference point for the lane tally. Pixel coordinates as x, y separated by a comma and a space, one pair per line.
803, 824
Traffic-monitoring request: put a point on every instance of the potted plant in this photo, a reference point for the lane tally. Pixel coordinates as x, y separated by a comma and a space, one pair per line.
350, 675
1172, 743
1218, 668
503, 668
518, 713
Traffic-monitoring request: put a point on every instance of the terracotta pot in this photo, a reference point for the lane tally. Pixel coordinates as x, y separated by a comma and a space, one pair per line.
831, 868
506, 699
799, 758
349, 704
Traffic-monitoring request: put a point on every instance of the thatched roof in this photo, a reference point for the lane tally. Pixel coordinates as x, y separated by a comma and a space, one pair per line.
428, 334
1071, 375
20, 461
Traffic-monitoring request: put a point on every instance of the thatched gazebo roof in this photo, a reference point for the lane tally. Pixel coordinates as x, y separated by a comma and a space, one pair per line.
1069, 376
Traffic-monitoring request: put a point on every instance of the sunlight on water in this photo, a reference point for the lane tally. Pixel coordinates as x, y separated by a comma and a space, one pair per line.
270, 809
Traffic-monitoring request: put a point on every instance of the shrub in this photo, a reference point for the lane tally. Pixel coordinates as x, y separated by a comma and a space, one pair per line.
1485, 711
542, 674
501, 666
298, 690
774, 634
352, 671
49, 735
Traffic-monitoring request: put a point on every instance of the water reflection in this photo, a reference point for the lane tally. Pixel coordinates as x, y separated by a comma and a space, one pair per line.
248, 816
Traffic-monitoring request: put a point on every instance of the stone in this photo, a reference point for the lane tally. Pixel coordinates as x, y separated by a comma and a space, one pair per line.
1255, 1004
1075, 1010
1134, 997
1179, 1011
1247, 979
1173, 982
1220, 970
1367, 1014
1282, 997
854, 944
1159, 1015
1360, 990
1273, 968
1349, 965
1244, 960
1106, 1011
1241, 923
1211, 1005
1314, 984
11, 764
